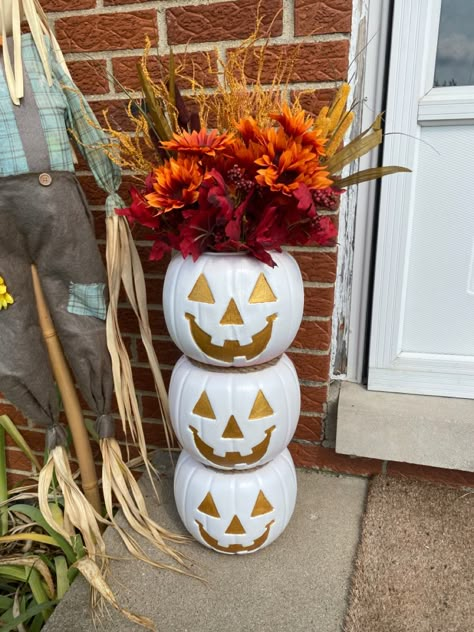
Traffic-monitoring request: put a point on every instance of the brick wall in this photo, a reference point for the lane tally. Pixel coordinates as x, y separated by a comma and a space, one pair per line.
104, 38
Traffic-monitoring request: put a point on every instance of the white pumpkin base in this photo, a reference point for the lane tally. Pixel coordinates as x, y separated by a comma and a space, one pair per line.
235, 513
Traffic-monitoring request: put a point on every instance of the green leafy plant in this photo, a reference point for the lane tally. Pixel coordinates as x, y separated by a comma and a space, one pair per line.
36, 562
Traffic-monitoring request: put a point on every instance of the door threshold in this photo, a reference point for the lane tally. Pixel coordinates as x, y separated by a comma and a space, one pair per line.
426, 430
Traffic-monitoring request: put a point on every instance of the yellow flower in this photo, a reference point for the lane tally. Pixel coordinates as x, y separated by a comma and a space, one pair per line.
5, 298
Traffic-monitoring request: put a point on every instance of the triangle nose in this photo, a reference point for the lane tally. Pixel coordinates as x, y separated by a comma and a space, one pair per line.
232, 315
232, 430
235, 527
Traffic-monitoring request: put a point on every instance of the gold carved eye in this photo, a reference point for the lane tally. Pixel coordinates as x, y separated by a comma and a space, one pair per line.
201, 292
208, 507
203, 407
262, 292
262, 506
261, 407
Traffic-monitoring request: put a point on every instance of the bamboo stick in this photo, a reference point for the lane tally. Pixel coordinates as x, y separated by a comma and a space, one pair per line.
71, 403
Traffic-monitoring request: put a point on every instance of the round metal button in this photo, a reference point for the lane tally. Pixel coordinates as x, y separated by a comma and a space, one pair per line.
45, 179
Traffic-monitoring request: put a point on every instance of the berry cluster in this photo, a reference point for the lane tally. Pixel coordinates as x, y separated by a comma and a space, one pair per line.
327, 198
237, 178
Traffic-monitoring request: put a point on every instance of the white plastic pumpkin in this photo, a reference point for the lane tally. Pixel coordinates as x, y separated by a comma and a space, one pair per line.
232, 310
235, 512
231, 419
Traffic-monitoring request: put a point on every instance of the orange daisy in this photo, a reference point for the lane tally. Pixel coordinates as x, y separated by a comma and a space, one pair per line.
176, 184
249, 130
294, 124
318, 178
246, 155
286, 170
202, 143
298, 126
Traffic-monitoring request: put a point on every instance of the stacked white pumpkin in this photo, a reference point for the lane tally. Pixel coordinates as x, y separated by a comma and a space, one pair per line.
234, 395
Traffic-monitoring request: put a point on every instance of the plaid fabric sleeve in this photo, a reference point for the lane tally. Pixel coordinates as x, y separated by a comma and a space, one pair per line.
87, 299
91, 139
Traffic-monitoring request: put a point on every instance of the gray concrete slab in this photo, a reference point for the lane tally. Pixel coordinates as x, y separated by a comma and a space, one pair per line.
297, 584
436, 431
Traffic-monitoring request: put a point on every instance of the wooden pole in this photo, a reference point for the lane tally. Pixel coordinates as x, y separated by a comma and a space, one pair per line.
71, 403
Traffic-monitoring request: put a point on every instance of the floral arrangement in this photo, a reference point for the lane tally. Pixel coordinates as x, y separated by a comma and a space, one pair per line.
243, 170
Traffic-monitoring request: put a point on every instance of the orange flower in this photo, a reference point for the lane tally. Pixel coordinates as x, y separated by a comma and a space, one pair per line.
284, 171
246, 155
294, 124
317, 178
249, 129
203, 143
297, 126
176, 184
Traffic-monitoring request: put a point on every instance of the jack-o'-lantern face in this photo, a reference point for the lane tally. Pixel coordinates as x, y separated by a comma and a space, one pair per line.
262, 507
235, 512
236, 316
261, 409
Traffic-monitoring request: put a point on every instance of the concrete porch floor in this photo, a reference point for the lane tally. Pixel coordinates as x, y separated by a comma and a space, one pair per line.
297, 584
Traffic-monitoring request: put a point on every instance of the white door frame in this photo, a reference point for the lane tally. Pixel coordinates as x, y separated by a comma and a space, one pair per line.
371, 33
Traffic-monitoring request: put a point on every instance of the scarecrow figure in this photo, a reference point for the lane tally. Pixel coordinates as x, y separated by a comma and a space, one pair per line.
45, 221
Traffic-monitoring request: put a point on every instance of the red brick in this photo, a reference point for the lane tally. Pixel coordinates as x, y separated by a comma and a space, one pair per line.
116, 111
313, 100
151, 407
319, 267
67, 5
223, 21
34, 439
454, 478
154, 291
314, 368
144, 379
310, 429
319, 301
152, 266
321, 61
166, 352
128, 321
90, 76
16, 460
112, 31
14, 414
313, 398
200, 66
314, 17
313, 335
17, 480
317, 457
112, 3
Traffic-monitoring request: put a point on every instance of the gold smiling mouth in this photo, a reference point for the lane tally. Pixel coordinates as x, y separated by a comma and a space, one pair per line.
232, 458
234, 548
231, 349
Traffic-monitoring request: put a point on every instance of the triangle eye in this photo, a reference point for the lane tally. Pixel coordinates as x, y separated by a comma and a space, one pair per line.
208, 507
201, 292
262, 506
261, 407
262, 292
203, 407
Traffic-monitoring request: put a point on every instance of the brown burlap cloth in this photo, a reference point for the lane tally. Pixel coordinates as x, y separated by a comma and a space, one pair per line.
414, 568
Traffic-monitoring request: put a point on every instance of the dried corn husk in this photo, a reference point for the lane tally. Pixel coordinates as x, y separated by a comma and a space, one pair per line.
78, 510
91, 572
